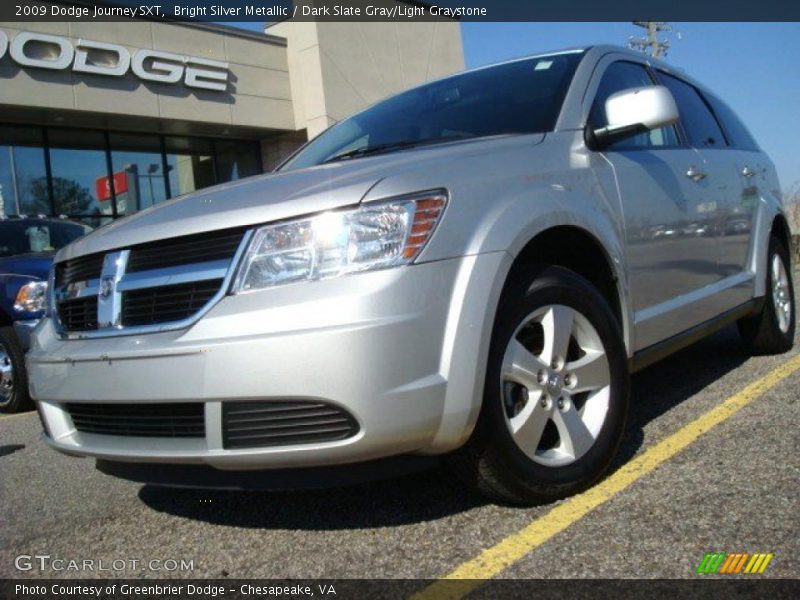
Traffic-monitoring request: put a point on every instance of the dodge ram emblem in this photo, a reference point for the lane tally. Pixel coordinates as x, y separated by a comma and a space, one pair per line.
106, 287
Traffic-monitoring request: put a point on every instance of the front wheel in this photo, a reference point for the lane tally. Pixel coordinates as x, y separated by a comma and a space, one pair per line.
556, 393
13, 381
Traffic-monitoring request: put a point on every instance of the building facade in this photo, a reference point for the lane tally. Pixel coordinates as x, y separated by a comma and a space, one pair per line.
100, 120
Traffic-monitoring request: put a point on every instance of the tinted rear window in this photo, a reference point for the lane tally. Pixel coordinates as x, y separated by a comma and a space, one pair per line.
738, 135
697, 119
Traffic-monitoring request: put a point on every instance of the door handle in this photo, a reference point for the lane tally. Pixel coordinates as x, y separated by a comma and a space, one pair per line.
748, 172
695, 174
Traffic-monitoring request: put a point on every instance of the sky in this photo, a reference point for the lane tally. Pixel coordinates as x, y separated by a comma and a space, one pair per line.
752, 66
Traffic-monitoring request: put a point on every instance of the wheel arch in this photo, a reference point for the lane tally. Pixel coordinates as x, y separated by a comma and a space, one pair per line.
780, 228
770, 221
580, 251
588, 257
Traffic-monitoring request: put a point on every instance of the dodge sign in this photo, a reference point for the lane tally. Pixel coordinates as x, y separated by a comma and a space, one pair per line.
58, 53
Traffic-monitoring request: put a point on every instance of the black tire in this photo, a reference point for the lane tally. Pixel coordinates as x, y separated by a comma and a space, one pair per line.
762, 333
13, 356
491, 462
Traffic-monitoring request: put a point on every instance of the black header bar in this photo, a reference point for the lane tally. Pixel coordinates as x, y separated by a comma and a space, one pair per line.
403, 10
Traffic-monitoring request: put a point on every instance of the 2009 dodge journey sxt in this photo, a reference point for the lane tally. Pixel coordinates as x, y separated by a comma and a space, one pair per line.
471, 268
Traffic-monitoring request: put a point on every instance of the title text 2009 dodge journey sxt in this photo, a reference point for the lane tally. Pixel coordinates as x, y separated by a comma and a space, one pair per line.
471, 268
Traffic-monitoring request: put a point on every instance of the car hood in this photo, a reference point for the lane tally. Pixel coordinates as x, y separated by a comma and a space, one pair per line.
271, 197
35, 265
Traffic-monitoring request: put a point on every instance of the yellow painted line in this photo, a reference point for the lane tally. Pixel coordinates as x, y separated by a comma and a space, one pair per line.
22, 414
492, 561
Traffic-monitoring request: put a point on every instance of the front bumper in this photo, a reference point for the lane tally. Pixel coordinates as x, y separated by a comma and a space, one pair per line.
24, 330
402, 350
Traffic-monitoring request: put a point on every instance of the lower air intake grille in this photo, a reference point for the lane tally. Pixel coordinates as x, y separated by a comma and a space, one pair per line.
183, 420
151, 306
79, 314
260, 424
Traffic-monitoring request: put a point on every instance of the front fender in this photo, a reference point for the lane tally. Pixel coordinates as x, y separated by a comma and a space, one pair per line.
504, 210
577, 205
498, 203
500, 200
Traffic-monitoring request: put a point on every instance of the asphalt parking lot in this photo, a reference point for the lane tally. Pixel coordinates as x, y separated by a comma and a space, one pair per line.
733, 489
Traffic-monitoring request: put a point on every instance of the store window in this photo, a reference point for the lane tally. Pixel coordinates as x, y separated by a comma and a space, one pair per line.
23, 175
236, 159
79, 172
145, 169
138, 175
190, 163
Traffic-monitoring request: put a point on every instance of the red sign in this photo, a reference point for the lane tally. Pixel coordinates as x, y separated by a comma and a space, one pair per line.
102, 185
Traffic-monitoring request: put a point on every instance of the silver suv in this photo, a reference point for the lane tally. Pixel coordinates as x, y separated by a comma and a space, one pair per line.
471, 268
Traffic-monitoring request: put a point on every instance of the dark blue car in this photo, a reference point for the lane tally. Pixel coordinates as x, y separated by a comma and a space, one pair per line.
27, 248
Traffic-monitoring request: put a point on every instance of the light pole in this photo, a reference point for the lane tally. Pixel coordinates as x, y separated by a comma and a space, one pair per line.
152, 169
651, 43
14, 183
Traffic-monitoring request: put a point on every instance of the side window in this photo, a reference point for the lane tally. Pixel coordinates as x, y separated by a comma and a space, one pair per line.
621, 76
698, 121
738, 135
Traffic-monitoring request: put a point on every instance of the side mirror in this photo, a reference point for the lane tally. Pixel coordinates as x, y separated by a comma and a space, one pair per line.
634, 111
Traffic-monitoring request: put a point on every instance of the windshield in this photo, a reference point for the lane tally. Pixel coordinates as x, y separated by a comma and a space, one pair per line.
523, 96
25, 236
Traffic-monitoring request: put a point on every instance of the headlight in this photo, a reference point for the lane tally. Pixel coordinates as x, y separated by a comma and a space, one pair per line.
31, 297
373, 236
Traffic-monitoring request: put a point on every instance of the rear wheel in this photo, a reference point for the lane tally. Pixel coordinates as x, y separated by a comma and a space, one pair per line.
556, 392
771, 330
13, 382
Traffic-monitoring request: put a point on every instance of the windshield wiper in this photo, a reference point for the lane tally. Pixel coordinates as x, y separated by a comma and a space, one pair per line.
391, 147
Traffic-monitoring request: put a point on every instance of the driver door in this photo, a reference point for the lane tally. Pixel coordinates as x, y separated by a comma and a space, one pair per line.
669, 212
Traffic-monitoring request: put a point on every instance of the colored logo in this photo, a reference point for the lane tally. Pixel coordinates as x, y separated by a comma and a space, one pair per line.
733, 564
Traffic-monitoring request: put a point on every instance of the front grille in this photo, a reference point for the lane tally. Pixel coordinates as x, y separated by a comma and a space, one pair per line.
79, 314
79, 269
180, 420
190, 249
150, 306
150, 302
260, 424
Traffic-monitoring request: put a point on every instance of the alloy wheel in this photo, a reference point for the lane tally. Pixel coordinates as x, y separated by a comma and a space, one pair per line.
781, 296
555, 385
6, 377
